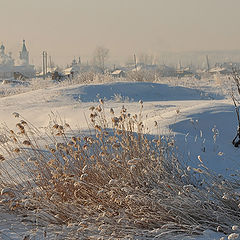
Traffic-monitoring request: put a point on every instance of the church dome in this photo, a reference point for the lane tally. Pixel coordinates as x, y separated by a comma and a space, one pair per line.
5, 59
2, 48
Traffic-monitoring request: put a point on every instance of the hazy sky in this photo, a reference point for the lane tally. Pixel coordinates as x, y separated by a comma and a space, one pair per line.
68, 28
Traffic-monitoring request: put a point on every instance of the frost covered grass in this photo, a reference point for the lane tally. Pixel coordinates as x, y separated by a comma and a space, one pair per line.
209, 85
116, 181
13, 87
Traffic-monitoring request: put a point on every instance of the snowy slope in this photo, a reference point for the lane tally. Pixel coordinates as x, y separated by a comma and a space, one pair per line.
203, 125
188, 113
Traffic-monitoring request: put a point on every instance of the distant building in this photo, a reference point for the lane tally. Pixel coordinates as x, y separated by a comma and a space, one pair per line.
225, 68
167, 71
24, 67
72, 71
8, 69
221, 70
6, 63
118, 74
184, 72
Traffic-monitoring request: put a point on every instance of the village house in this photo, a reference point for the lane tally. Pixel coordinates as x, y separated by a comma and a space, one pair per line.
118, 73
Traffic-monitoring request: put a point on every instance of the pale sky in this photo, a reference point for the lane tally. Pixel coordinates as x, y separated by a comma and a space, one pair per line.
72, 28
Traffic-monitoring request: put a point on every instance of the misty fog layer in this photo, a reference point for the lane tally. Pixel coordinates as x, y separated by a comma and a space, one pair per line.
72, 28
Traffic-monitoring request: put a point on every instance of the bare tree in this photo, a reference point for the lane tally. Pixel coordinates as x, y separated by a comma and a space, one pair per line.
100, 56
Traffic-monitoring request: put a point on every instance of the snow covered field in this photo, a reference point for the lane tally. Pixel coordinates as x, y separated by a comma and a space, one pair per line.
199, 113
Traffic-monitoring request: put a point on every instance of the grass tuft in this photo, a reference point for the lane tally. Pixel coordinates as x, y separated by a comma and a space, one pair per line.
114, 182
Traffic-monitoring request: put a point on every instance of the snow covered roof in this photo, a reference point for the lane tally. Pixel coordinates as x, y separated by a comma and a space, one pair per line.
117, 72
217, 69
49, 70
74, 68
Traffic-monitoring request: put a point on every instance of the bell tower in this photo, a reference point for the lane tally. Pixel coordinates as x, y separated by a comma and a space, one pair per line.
24, 54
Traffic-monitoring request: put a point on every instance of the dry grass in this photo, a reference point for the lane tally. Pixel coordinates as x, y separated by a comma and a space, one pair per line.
116, 182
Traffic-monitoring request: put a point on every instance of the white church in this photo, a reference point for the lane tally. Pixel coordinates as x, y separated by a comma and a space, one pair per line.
9, 69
